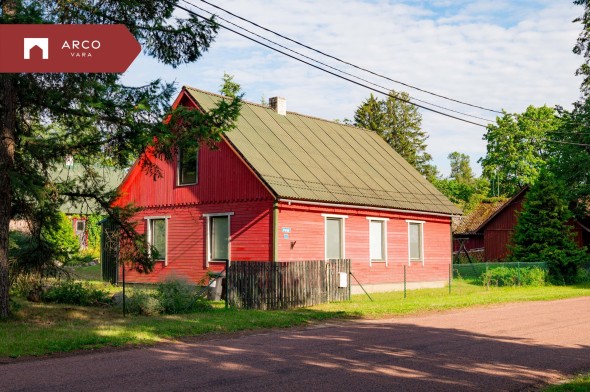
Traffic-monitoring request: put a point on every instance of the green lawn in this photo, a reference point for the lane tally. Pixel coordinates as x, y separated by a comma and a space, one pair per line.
38, 329
580, 383
92, 273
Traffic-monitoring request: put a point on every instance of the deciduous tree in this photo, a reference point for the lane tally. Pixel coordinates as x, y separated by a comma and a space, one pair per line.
517, 147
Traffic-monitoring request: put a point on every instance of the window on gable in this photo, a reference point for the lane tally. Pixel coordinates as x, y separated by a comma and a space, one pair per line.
377, 239
416, 244
156, 237
188, 165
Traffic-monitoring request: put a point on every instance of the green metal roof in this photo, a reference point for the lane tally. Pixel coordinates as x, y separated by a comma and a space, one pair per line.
306, 158
110, 178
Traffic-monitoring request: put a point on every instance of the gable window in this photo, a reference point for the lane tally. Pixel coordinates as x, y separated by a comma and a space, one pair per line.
416, 240
334, 236
218, 236
188, 165
157, 237
378, 240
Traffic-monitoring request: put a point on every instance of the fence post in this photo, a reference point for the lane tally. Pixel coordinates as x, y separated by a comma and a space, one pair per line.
405, 281
450, 276
226, 284
518, 272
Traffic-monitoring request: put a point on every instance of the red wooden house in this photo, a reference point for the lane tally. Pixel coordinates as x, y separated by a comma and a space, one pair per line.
490, 226
282, 187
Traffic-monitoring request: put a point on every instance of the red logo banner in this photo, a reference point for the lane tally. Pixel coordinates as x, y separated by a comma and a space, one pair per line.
66, 48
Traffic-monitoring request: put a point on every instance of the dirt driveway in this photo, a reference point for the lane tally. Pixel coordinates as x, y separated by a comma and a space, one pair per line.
509, 347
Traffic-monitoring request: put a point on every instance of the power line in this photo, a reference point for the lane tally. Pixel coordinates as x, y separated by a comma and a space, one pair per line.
562, 142
331, 67
343, 61
328, 71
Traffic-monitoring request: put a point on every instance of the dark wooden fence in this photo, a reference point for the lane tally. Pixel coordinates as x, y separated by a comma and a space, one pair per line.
282, 285
109, 247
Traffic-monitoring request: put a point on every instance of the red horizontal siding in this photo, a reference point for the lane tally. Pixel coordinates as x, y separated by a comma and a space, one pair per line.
306, 241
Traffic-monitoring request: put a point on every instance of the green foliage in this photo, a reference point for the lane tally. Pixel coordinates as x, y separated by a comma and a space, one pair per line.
514, 276
142, 303
461, 168
179, 296
97, 119
542, 234
399, 124
570, 152
516, 148
75, 293
582, 46
31, 260
465, 195
229, 88
61, 237
173, 296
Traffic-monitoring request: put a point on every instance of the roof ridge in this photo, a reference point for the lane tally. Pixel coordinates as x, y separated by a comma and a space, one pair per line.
288, 111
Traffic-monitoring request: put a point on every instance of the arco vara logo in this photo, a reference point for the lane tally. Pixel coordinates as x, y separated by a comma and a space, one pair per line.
66, 48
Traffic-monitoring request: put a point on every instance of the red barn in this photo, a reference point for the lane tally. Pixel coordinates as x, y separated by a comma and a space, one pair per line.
490, 226
284, 186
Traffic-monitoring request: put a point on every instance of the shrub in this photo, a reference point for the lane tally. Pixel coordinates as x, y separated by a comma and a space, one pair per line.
75, 293
179, 296
141, 302
172, 296
509, 276
62, 239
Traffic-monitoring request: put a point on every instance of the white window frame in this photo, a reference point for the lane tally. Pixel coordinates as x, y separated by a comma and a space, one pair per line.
148, 232
178, 169
342, 234
383, 240
208, 234
421, 223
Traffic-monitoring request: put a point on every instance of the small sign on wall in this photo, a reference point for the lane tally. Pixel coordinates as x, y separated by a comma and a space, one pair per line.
286, 230
286, 236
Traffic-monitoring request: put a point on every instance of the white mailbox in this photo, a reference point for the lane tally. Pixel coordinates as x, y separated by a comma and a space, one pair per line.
343, 279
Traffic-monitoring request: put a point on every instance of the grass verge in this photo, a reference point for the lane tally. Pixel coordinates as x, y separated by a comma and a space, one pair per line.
38, 329
580, 383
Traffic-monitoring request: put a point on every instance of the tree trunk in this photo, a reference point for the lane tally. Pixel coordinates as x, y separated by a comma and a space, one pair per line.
7, 141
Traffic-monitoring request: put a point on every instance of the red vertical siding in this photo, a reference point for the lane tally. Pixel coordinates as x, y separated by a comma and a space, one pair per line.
222, 177
498, 231
225, 184
306, 241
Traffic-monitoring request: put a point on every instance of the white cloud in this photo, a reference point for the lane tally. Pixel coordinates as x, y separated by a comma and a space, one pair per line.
500, 54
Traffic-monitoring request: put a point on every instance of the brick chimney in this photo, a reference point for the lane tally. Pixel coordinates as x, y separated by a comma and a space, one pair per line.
279, 105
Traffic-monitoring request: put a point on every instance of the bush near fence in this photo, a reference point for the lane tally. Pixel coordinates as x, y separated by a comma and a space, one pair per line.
502, 274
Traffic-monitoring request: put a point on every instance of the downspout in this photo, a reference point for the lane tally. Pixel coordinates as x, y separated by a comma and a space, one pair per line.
275, 228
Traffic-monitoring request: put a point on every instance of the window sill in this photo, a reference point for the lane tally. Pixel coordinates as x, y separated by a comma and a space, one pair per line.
378, 261
182, 185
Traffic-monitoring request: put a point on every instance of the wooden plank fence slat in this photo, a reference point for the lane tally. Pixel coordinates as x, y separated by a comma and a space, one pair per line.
282, 285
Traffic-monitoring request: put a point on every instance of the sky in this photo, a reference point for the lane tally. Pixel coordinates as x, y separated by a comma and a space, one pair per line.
501, 54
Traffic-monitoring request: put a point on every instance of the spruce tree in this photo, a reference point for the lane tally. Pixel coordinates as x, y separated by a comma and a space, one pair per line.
399, 124
96, 119
542, 233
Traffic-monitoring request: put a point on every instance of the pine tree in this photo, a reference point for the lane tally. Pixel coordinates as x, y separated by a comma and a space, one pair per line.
542, 235
95, 118
399, 124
